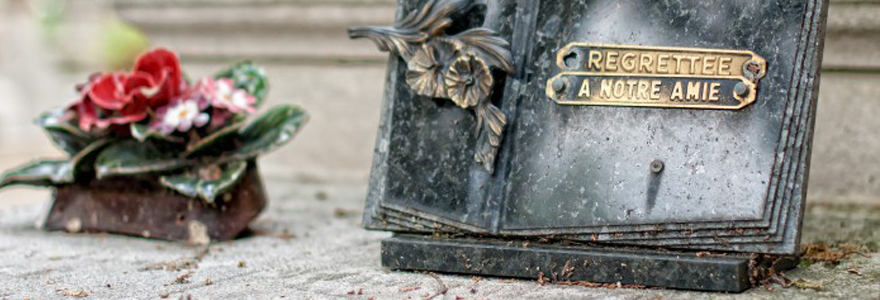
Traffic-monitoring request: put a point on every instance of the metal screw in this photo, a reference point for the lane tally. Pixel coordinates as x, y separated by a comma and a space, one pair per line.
656, 166
752, 70
572, 59
753, 67
559, 85
741, 89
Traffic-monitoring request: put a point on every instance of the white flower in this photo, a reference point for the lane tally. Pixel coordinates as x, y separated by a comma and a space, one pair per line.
182, 116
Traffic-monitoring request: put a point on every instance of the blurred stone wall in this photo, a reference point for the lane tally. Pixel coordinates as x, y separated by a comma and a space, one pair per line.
304, 46
310, 60
44, 50
846, 153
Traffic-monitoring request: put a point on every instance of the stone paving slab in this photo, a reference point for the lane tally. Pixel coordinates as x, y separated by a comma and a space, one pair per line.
309, 245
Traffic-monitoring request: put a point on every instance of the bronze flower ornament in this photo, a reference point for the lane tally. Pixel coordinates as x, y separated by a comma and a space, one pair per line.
468, 81
456, 67
426, 69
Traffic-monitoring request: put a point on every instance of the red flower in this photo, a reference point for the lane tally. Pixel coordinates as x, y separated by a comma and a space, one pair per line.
163, 68
121, 98
105, 101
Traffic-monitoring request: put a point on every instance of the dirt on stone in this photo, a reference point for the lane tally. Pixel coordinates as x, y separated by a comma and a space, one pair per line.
833, 254
73, 293
183, 278
180, 263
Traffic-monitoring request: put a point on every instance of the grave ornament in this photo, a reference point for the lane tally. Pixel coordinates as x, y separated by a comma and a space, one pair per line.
153, 154
656, 143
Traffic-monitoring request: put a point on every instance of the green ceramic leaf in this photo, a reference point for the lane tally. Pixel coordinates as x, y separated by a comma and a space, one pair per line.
271, 130
250, 77
40, 173
84, 161
67, 136
192, 185
143, 132
53, 172
131, 158
213, 140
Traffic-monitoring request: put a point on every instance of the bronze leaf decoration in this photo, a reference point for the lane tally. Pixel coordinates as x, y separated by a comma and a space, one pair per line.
456, 67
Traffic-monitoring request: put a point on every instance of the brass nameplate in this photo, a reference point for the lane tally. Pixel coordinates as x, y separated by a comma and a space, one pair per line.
623, 75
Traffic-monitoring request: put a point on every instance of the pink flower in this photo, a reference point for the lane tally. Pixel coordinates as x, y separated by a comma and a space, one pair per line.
181, 115
223, 94
219, 118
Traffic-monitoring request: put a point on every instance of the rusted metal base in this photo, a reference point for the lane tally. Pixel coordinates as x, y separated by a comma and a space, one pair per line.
141, 206
583, 264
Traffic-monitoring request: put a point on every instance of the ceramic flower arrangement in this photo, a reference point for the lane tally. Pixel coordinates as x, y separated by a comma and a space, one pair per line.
154, 124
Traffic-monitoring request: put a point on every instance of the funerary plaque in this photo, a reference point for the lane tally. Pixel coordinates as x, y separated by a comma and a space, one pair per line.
600, 132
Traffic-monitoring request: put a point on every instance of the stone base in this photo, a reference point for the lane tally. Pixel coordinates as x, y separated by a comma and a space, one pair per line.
140, 206
626, 266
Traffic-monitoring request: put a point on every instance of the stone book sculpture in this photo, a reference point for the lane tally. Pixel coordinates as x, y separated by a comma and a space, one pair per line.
656, 143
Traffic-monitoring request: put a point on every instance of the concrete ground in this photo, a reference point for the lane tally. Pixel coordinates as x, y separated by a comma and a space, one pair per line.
309, 245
